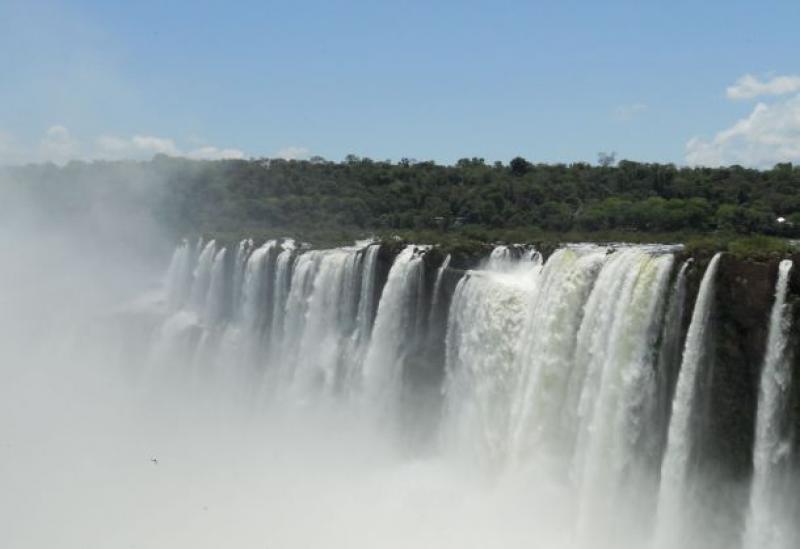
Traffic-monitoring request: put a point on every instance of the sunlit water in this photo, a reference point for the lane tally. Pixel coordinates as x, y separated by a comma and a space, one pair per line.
267, 396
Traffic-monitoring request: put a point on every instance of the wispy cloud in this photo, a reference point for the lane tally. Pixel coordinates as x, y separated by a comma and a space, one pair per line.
214, 153
59, 146
749, 87
139, 145
768, 135
628, 112
294, 153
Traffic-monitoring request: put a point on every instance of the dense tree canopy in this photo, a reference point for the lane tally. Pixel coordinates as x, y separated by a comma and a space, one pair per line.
361, 195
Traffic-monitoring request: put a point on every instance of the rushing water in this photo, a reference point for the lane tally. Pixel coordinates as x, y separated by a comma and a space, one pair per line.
771, 520
392, 398
575, 366
672, 504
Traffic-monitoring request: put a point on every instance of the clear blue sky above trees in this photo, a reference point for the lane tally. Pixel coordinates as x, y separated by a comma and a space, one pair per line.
551, 81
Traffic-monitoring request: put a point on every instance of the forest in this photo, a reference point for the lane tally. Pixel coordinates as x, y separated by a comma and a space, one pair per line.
320, 200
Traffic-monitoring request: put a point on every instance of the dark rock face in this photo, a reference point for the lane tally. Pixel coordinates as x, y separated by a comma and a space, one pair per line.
793, 412
728, 386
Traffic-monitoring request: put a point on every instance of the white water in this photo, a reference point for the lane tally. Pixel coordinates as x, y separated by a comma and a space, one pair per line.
547, 367
619, 376
276, 373
365, 316
487, 318
394, 330
283, 268
672, 497
659, 405
771, 523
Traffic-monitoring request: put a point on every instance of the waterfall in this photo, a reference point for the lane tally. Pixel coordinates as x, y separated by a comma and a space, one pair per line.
675, 467
329, 321
366, 300
437, 285
214, 302
239, 263
178, 279
202, 276
504, 258
394, 330
295, 313
365, 315
619, 374
527, 346
669, 359
283, 273
487, 317
254, 286
574, 369
540, 399
770, 521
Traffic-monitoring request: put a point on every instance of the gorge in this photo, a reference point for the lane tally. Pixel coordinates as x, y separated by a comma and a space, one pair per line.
640, 394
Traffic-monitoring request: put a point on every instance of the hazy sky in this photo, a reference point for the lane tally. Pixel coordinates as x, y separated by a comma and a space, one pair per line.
676, 81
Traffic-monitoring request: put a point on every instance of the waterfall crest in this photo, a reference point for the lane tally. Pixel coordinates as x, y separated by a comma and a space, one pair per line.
582, 369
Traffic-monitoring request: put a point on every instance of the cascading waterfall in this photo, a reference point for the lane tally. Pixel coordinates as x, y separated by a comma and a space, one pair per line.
254, 285
504, 258
283, 273
487, 318
669, 362
365, 316
540, 399
522, 357
329, 321
619, 375
178, 279
578, 369
394, 331
366, 300
202, 276
770, 522
211, 316
437, 285
214, 301
295, 313
675, 467
239, 263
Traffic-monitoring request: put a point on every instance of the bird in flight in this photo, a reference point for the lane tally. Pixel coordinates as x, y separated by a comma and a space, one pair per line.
154, 460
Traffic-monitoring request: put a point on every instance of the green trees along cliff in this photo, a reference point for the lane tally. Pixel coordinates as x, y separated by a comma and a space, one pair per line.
472, 197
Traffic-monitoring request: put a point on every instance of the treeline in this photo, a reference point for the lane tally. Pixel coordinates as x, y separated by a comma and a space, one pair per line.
360, 195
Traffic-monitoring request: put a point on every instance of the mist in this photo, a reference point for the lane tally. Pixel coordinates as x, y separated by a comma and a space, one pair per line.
82, 424
163, 394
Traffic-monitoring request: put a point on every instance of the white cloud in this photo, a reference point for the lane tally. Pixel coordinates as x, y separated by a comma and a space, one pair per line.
213, 153
628, 112
748, 86
294, 153
112, 147
770, 134
156, 145
110, 144
59, 146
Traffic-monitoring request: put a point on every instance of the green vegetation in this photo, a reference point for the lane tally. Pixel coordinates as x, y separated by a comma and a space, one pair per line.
751, 247
460, 206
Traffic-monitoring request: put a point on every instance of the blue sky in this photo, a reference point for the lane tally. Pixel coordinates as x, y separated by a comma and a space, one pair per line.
551, 81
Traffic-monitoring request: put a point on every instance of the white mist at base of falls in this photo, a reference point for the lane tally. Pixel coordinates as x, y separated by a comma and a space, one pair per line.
281, 389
